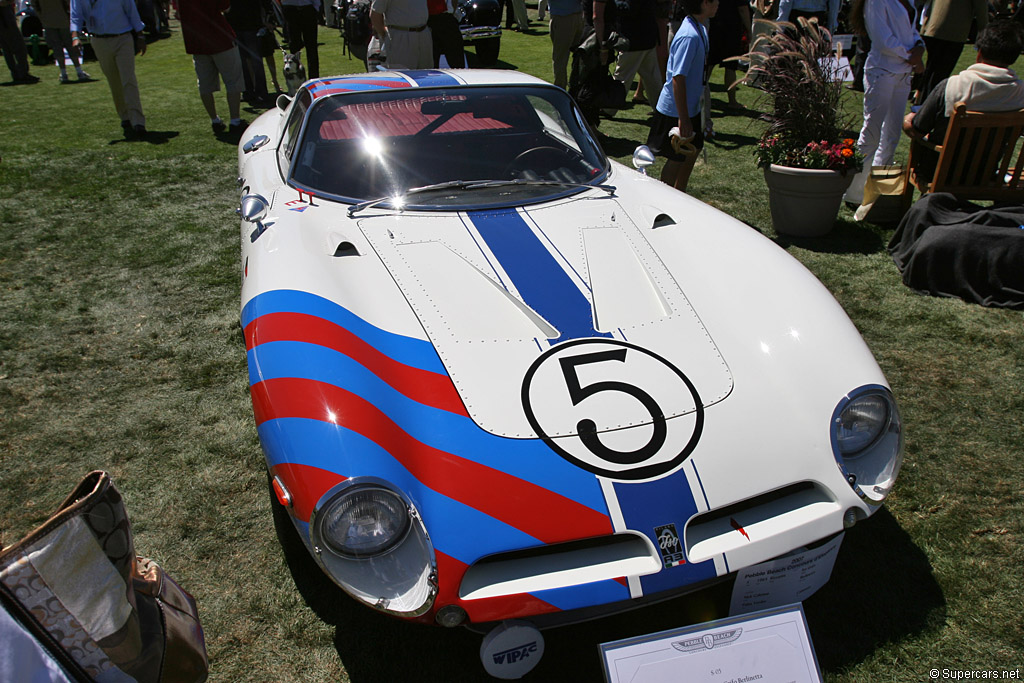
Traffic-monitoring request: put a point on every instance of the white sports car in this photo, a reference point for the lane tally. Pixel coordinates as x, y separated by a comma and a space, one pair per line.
497, 375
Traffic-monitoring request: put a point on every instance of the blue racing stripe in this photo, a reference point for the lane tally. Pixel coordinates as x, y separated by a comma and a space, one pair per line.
455, 528
651, 504
430, 78
527, 459
538, 277
417, 353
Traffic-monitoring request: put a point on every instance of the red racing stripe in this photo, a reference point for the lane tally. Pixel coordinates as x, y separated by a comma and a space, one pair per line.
532, 509
426, 387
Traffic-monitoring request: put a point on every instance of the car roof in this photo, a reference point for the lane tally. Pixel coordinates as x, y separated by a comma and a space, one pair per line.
427, 78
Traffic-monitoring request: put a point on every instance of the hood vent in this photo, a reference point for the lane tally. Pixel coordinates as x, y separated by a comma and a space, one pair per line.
346, 249
663, 220
624, 292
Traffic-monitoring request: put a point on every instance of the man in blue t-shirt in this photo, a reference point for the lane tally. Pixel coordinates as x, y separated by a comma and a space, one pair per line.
680, 102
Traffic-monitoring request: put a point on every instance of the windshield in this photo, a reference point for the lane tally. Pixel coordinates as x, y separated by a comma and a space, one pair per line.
365, 146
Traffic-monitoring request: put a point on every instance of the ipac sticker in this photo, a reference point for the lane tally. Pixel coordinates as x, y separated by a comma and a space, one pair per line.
512, 649
670, 545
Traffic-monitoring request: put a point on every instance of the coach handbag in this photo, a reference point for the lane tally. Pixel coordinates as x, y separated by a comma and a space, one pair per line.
102, 613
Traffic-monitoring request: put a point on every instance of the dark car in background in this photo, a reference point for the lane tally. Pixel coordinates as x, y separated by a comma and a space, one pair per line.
480, 23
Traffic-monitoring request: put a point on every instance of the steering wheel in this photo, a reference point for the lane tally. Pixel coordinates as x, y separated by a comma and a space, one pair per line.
541, 160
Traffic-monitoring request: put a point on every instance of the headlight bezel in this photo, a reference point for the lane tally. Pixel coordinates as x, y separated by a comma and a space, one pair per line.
401, 579
872, 467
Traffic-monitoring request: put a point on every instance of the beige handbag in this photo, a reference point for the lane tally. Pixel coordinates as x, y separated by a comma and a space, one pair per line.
883, 196
76, 584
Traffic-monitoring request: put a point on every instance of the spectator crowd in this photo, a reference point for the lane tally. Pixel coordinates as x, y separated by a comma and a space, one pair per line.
906, 53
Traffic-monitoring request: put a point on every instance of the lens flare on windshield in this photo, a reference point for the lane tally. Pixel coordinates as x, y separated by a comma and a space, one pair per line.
373, 147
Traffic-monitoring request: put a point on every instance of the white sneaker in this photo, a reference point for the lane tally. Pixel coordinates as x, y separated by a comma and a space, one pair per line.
83, 76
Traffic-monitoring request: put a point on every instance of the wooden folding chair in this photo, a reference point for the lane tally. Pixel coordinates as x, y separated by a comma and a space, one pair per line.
980, 158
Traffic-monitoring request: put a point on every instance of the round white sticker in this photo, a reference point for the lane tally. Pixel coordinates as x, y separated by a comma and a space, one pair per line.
512, 649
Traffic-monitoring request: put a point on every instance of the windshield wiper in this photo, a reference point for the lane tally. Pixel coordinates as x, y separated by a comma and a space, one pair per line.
473, 185
369, 203
610, 189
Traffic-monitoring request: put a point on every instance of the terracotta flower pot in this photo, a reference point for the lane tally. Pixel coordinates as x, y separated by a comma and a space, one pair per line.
804, 201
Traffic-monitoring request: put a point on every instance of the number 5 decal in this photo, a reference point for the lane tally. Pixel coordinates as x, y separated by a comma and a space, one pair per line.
587, 428
613, 408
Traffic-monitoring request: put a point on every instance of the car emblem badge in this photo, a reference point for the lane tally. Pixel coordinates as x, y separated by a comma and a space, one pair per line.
670, 546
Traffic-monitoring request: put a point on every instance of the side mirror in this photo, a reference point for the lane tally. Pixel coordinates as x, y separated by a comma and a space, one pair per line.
642, 158
283, 101
253, 208
255, 143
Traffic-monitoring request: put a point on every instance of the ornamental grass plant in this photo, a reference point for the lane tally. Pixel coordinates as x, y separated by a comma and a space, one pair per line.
798, 74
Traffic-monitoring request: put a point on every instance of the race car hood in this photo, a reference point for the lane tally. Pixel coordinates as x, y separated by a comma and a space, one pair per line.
554, 320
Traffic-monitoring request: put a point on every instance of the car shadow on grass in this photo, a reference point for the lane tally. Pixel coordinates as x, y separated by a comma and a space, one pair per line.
882, 590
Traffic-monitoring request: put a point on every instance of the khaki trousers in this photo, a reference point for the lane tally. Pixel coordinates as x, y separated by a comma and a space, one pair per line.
644, 62
116, 56
566, 32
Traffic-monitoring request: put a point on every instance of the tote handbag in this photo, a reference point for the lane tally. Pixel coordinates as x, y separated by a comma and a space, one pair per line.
883, 196
102, 613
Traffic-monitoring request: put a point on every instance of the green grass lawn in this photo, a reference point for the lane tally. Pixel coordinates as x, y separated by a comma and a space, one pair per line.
120, 349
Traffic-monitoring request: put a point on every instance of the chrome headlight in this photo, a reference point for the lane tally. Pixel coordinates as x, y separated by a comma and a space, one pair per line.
867, 440
370, 539
860, 423
364, 521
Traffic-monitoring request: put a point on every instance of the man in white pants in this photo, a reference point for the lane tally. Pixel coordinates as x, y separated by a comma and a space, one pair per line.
896, 53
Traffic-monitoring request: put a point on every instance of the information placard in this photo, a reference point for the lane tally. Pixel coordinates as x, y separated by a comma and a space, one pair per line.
785, 580
771, 645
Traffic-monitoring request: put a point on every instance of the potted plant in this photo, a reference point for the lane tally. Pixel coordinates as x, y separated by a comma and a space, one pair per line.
807, 160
